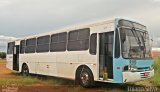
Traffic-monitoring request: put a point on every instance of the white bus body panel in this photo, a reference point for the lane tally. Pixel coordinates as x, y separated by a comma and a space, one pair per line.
65, 64
9, 64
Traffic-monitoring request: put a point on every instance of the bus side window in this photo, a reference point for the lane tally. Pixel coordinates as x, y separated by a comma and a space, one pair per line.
22, 46
58, 42
93, 44
78, 40
30, 45
117, 45
43, 44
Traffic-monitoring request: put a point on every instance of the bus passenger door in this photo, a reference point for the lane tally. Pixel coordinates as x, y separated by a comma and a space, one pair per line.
106, 54
16, 58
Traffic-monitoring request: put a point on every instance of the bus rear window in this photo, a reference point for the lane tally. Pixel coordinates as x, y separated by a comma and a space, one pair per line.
10, 47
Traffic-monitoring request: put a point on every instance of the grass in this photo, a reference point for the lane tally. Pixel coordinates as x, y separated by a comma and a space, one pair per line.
54, 80
59, 81
15, 78
27, 80
156, 79
22, 80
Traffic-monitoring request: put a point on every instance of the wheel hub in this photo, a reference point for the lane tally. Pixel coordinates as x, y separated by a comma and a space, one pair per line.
84, 77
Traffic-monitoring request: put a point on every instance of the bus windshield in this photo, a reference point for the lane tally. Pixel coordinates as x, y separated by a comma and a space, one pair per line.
134, 43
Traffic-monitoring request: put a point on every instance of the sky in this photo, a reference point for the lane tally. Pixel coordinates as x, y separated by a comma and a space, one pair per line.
20, 18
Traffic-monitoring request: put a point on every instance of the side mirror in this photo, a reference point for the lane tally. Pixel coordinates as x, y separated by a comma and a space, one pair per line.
122, 35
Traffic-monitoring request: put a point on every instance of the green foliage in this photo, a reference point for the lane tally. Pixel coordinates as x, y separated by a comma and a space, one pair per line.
2, 55
156, 78
26, 80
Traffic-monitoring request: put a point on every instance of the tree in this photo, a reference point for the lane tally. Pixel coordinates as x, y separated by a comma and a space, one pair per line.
2, 55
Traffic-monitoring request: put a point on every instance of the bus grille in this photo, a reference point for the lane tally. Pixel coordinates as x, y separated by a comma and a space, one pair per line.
144, 68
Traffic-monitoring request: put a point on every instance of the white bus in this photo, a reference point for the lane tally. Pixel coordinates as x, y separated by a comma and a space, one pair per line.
115, 51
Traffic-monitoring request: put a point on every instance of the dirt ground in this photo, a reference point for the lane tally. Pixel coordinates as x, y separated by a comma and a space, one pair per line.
70, 87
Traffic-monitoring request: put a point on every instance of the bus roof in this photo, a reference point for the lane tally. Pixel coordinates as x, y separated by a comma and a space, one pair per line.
74, 27
77, 26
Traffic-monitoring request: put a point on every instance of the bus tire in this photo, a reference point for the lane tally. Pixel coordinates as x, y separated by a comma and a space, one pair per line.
85, 77
25, 70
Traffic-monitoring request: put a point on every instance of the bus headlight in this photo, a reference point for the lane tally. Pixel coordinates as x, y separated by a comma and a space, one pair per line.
130, 68
133, 68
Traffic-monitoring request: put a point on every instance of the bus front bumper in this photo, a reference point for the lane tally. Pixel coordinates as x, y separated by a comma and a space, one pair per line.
129, 76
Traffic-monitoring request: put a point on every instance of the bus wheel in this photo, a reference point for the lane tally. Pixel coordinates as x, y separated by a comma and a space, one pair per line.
86, 78
25, 70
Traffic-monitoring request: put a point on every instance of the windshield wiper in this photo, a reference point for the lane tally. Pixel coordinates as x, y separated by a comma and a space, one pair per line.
136, 37
144, 49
